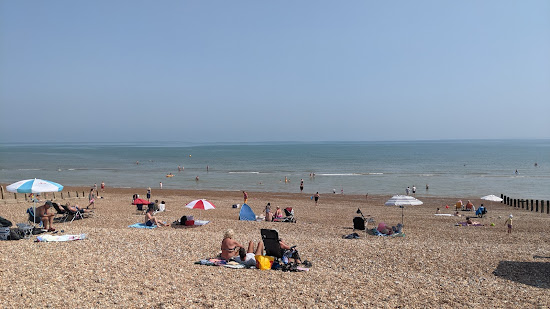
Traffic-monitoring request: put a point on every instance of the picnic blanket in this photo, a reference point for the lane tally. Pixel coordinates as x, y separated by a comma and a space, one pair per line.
142, 226
48, 237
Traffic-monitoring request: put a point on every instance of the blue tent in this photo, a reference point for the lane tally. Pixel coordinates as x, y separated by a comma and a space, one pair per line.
246, 213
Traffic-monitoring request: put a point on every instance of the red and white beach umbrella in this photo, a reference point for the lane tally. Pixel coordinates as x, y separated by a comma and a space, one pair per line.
200, 204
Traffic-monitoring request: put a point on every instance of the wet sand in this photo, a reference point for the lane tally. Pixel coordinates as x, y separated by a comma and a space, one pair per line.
437, 264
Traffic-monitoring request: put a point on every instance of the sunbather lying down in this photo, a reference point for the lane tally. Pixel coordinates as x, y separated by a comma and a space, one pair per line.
469, 222
248, 257
75, 208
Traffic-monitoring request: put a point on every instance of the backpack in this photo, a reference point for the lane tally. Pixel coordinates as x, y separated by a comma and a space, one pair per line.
5, 222
16, 234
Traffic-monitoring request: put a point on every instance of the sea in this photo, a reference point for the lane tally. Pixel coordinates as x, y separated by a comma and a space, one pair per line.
446, 168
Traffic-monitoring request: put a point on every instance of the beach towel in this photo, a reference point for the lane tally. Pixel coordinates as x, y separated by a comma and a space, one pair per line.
234, 265
142, 226
48, 237
444, 215
246, 213
212, 262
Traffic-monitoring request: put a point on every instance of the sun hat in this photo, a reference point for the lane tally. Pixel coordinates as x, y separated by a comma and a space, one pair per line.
511, 216
49, 203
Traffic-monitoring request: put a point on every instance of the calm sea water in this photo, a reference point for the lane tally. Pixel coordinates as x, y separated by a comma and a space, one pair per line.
450, 168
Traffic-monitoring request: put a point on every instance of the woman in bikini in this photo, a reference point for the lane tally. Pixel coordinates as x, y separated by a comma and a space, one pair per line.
230, 247
278, 213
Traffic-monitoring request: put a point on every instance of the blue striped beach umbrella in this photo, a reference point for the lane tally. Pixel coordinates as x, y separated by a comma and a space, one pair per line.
34, 186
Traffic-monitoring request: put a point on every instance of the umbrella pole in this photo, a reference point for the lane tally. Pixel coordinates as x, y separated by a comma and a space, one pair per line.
402, 215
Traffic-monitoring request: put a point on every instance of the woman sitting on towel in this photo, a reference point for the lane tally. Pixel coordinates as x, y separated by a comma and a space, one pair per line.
150, 220
230, 247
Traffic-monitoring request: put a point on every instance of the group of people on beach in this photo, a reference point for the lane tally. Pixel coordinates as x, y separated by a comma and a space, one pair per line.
232, 250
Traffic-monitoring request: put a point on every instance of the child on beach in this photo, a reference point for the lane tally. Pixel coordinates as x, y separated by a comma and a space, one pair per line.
509, 222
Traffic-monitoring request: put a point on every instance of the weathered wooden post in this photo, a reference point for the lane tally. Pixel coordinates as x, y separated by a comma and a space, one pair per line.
83, 194
25, 197
537, 203
502, 197
53, 195
76, 193
69, 194
522, 204
2, 190
532, 205
548, 207
515, 203
508, 201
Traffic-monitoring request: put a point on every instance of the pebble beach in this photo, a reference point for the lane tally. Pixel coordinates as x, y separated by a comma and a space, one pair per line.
436, 265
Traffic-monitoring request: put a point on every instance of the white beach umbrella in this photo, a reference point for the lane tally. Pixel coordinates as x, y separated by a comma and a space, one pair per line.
402, 201
492, 198
34, 186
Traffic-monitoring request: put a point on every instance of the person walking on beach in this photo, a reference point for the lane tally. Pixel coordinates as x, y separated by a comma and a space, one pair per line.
301, 185
408, 190
160, 185
316, 197
149, 193
245, 197
414, 190
102, 186
95, 189
509, 223
91, 198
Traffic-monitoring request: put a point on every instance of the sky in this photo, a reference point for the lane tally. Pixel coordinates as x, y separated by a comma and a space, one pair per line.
260, 71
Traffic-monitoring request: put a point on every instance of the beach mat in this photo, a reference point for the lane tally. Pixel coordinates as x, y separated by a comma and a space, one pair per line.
49, 238
142, 226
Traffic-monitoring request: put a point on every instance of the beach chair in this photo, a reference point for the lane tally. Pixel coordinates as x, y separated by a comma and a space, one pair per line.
361, 223
272, 246
63, 214
74, 214
32, 219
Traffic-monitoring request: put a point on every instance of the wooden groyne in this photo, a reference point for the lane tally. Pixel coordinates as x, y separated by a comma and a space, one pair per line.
541, 206
8, 197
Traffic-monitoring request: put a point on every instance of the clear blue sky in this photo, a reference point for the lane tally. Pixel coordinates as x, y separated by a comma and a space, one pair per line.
238, 71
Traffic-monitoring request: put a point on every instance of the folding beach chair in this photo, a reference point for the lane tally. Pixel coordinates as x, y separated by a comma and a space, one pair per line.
61, 212
32, 219
271, 243
273, 248
74, 214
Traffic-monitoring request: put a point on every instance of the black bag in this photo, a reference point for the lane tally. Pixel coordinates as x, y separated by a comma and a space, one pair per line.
36, 231
183, 219
5, 222
16, 234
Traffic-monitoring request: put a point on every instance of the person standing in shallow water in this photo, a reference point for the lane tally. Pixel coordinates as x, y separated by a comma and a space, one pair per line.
245, 197
316, 197
301, 185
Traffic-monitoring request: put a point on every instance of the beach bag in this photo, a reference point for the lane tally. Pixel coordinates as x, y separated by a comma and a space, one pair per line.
4, 233
264, 262
5, 222
16, 234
